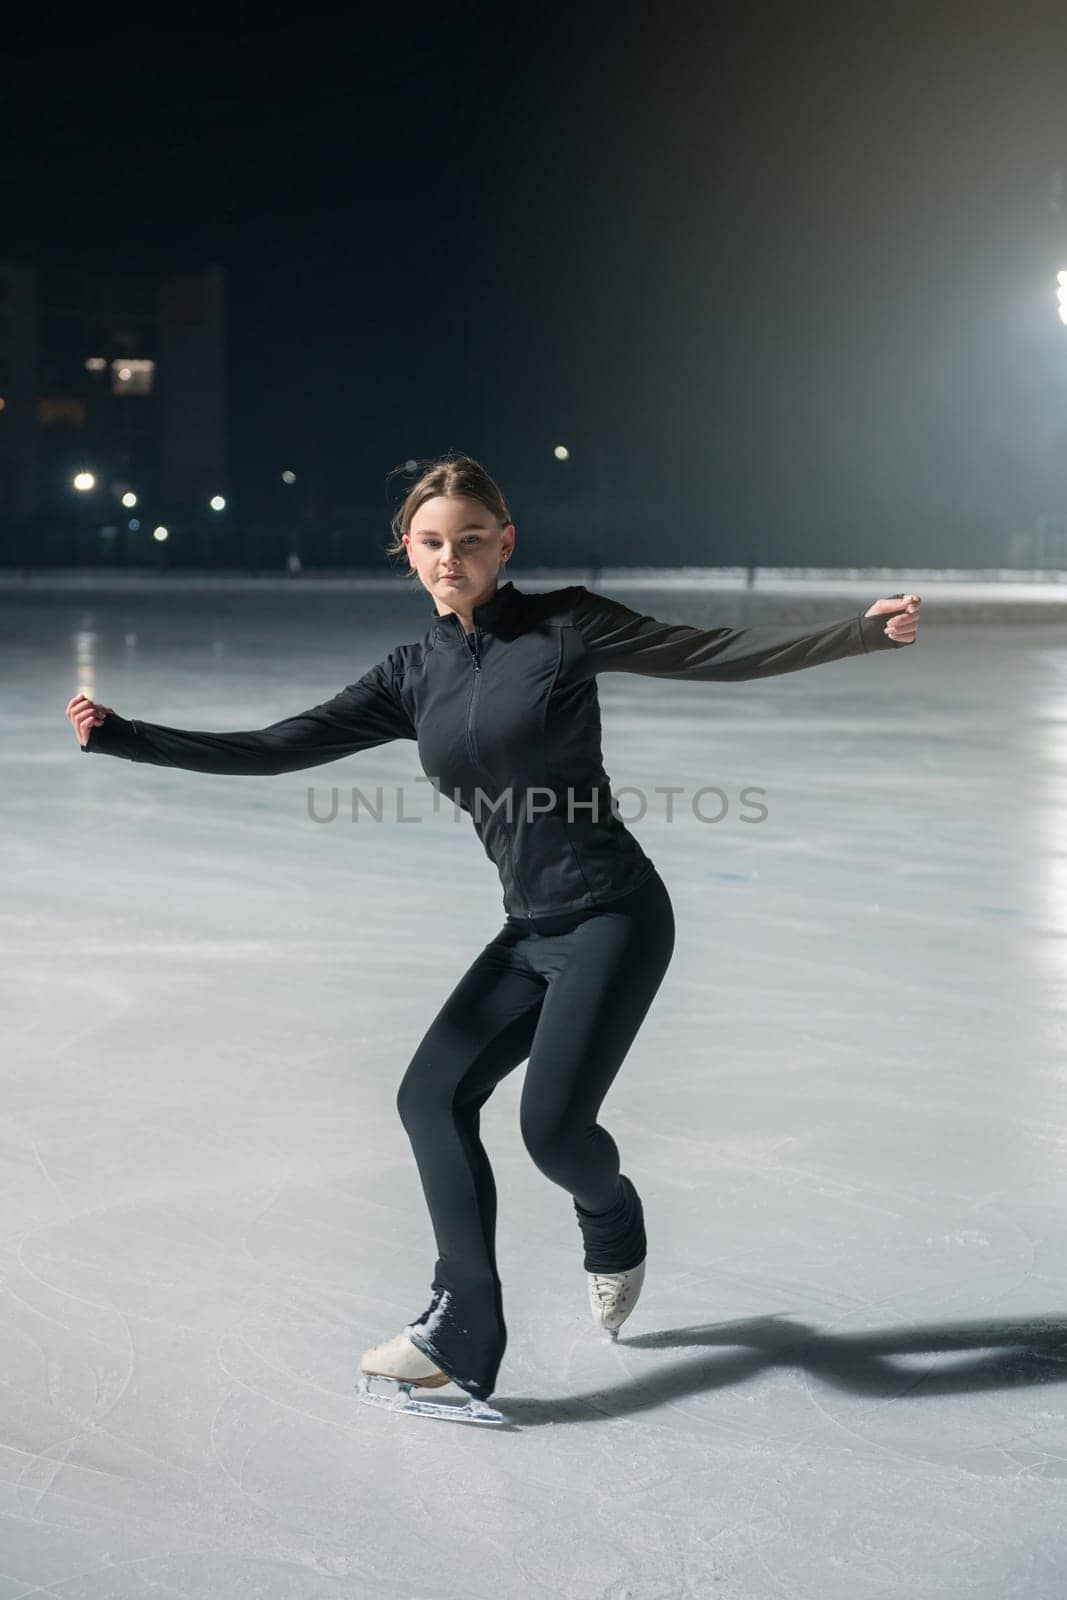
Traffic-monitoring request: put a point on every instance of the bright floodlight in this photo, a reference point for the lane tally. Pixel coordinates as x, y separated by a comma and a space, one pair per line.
159, 533
129, 499
288, 477
1061, 294
217, 503
83, 482
561, 453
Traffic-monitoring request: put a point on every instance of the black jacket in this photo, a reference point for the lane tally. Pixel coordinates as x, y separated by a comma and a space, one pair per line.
508, 725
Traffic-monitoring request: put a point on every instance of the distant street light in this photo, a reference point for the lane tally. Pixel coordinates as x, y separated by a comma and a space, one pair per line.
561, 453
83, 482
288, 477
217, 503
129, 499
159, 533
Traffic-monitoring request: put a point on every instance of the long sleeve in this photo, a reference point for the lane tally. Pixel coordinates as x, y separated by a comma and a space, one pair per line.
366, 713
620, 640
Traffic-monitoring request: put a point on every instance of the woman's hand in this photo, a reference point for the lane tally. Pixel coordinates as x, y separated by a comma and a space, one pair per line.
904, 625
85, 715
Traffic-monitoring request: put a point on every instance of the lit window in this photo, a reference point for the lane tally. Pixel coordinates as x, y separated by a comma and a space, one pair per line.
56, 409
130, 376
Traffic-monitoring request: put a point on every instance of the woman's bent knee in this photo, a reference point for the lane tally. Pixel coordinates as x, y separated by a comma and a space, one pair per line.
414, 1098
557, 1151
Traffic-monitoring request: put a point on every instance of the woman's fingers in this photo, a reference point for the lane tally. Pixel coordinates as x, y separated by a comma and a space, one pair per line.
84, 715
81, 702
902, 627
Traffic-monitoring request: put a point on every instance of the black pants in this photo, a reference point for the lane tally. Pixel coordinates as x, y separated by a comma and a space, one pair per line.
569, 994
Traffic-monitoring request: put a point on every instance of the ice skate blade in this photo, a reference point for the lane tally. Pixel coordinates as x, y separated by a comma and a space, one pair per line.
399, 1398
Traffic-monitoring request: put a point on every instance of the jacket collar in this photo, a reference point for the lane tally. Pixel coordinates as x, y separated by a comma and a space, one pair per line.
487, 615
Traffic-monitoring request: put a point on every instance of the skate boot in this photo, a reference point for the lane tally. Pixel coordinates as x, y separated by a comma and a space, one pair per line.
615, 1248
389, 1371
613, 1295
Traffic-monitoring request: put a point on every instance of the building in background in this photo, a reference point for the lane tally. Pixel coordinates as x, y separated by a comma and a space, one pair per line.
19, 390
192, 394
119, 376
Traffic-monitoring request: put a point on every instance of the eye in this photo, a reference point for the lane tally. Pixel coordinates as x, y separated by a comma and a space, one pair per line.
429, 539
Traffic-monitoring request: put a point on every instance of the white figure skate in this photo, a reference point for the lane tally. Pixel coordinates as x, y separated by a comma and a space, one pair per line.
613, 1295
399, 1365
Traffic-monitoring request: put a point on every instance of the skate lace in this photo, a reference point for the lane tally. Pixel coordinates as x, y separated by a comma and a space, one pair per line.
608, 1289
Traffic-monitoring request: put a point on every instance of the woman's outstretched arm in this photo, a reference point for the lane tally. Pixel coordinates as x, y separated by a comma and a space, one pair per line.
366, 713
621, 640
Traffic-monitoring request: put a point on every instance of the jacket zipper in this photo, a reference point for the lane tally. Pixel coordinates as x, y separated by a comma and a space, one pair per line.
471, 641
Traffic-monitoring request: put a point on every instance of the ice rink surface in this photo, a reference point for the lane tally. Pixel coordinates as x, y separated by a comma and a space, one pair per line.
846, 1114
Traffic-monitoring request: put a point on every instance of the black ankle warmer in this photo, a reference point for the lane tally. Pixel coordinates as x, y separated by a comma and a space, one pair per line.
614, 1239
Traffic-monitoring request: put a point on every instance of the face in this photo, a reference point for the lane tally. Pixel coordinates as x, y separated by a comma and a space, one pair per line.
456, 546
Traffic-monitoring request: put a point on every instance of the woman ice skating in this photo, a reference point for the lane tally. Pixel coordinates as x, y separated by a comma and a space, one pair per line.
500, 695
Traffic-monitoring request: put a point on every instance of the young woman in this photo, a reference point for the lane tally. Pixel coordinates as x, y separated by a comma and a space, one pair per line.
500, 695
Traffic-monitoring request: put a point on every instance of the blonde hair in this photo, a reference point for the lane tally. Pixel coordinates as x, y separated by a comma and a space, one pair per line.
450, 475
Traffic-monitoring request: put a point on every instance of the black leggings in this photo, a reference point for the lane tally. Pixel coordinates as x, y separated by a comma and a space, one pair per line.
569, 993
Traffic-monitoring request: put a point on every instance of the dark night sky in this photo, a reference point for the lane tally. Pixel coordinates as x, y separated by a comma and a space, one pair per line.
787, 271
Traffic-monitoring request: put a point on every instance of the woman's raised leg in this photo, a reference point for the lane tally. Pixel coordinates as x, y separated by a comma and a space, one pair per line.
602, 977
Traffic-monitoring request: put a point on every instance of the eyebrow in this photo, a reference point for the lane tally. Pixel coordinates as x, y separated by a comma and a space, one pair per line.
434, 535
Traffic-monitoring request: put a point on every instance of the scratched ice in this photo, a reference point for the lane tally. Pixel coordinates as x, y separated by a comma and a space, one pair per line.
846, 1114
